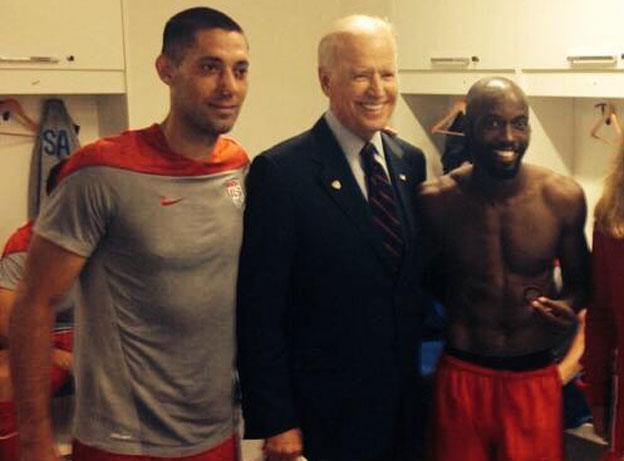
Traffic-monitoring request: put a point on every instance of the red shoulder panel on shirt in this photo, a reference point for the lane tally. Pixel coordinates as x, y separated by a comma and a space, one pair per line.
146, 151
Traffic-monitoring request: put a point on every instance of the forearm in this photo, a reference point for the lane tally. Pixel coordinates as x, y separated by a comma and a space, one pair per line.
576, 277
570, 365
30, 329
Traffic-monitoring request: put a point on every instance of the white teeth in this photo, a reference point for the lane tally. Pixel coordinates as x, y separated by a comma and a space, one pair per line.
506, 155
372, 106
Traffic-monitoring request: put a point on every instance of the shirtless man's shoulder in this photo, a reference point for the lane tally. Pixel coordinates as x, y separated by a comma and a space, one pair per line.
445, 184
438, 191
562, 194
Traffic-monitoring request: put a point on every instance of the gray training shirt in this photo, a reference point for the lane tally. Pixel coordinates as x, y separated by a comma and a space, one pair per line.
154, 326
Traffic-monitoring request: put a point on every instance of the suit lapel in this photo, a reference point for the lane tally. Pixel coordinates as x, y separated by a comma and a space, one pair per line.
337, 180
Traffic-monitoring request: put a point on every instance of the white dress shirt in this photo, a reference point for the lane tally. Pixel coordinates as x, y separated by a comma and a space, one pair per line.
351, 145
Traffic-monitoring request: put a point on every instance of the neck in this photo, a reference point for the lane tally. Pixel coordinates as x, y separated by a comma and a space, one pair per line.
186, 141
496, 189
364, 137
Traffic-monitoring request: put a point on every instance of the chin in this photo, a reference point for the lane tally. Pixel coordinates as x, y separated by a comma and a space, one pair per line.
225, 128
219, 128
370, 130
508, 173
499, 170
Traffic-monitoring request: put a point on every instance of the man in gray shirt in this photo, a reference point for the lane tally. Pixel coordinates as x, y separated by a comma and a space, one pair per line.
150, 221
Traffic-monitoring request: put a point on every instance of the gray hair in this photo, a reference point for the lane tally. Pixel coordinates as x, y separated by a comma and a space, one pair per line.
356, 24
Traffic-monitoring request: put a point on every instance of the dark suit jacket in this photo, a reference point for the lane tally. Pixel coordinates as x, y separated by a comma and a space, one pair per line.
327, 334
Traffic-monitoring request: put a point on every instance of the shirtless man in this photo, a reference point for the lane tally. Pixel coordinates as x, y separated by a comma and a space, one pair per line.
498, 227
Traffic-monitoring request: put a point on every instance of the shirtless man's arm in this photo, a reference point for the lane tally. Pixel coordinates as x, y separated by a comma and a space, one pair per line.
429, 202
567, 199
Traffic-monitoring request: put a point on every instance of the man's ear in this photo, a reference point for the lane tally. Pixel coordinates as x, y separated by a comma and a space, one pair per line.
324, 79
165, 68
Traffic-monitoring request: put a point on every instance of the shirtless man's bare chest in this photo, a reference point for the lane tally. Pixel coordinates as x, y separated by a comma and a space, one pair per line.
497, 255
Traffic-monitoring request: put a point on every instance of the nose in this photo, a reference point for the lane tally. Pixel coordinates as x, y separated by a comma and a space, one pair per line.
376, 85
227, 82
508, 133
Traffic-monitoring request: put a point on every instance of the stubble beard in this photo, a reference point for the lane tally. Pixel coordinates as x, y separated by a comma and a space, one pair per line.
209, 127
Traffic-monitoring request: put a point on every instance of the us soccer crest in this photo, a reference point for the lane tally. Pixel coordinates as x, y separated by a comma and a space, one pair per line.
235, 192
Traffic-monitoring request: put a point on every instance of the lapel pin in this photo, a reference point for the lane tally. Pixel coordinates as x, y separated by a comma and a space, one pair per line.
402, 177
336, 184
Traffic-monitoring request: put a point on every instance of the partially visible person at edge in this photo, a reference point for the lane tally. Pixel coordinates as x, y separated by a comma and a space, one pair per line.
11, 272
496, 228
329, 301
604, 356
150, 222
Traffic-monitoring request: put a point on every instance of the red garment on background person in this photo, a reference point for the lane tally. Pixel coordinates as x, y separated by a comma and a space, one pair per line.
19, 240
62, 339
9, 447
605, 334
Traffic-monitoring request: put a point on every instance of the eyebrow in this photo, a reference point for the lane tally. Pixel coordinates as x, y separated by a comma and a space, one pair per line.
497, 114
220, 60
210, 58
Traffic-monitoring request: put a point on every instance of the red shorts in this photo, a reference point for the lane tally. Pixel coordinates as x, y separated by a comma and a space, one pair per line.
227, 451
481, 414
611, 456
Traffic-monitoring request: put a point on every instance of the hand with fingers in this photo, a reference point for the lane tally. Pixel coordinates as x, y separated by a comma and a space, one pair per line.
555, 312
286, 446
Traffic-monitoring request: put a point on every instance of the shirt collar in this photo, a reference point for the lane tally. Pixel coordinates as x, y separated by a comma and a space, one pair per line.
350, 143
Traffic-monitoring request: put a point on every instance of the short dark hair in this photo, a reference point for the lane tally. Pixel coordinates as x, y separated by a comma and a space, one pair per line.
179, 33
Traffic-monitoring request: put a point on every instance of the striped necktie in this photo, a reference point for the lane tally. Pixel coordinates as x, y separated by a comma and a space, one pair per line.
383, 205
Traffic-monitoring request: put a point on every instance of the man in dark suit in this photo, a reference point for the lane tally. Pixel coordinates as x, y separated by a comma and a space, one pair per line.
328, 293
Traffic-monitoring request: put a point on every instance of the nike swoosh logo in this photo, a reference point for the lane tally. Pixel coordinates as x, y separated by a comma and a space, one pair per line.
164, 201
